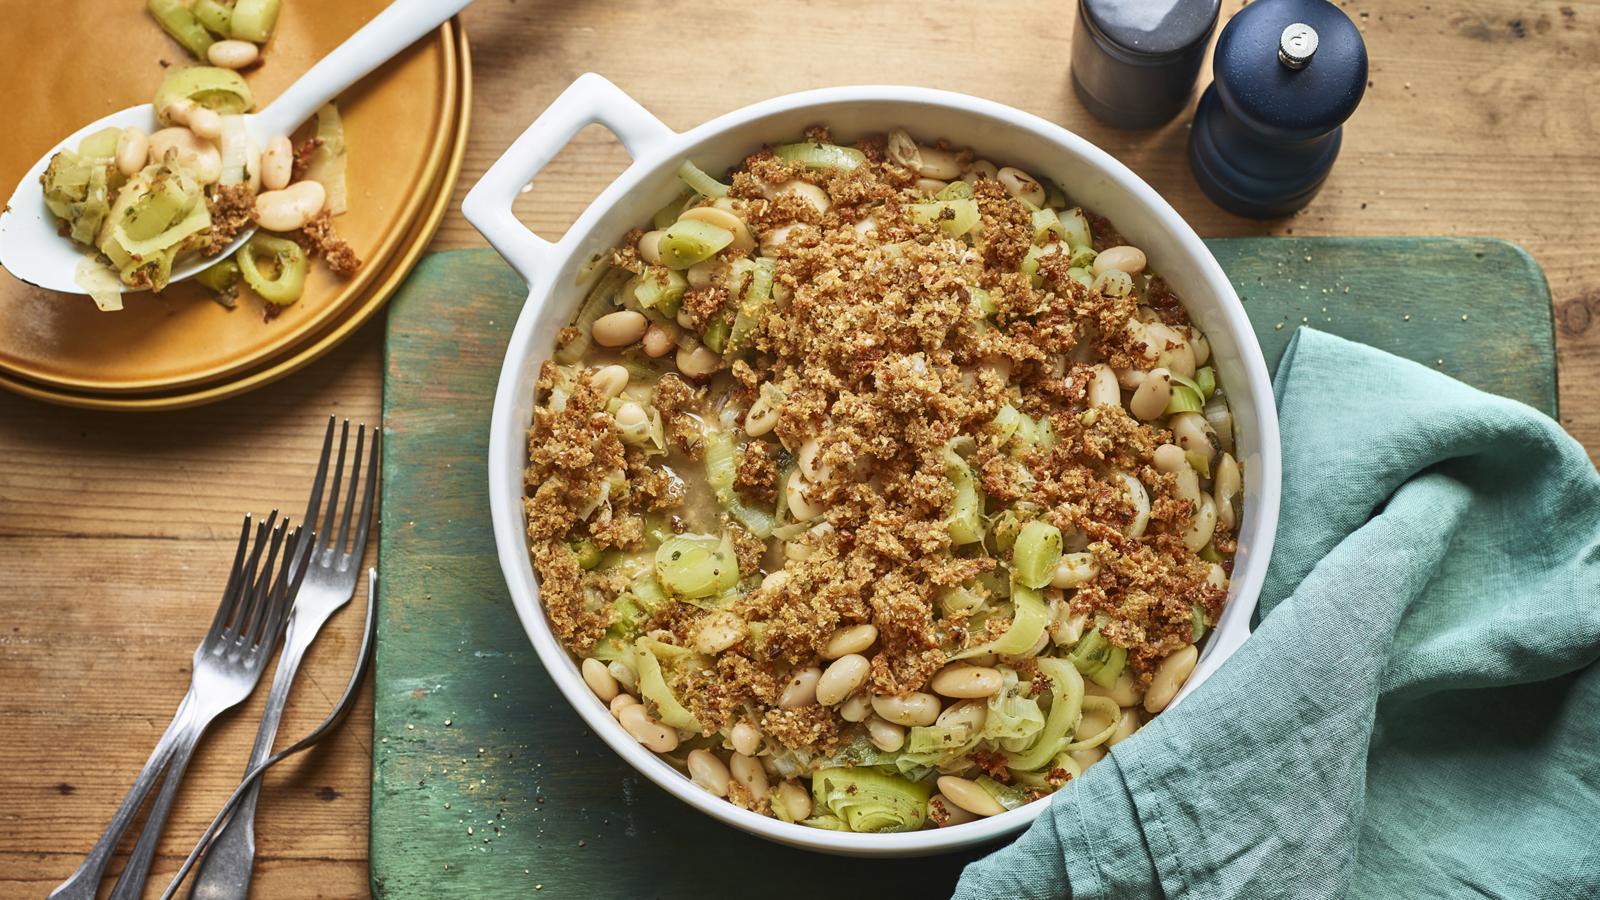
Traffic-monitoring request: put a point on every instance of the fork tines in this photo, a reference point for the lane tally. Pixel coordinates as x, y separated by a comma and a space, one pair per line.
337, 549
258, 596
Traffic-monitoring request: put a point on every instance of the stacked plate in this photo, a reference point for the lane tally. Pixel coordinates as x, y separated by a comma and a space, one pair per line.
405, 129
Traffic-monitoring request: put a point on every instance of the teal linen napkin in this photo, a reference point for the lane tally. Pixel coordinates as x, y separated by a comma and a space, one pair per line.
1418, 712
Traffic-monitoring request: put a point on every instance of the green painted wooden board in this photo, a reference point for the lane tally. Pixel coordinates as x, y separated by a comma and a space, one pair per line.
486, 783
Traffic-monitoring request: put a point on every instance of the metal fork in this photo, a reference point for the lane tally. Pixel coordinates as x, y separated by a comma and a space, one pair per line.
330, 572
227, 665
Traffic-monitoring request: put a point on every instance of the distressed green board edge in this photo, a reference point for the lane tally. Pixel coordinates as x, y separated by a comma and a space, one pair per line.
470, 733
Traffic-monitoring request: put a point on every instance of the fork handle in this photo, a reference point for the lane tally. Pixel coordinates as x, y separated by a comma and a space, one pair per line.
130, 884
225, 871
84, 883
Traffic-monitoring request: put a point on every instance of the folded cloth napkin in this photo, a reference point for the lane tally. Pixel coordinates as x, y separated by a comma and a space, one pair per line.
1417, 714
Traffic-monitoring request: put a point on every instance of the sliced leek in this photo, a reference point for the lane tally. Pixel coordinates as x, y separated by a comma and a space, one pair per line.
253, 20
1028, 620
222, 90
179, 21
699, 182
954, 217
817, 155
689, 241
275, 268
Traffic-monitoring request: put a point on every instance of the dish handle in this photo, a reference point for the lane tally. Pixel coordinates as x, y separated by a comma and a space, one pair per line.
590, 100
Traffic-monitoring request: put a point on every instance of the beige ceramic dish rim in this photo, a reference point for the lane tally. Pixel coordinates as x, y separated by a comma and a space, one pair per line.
554, 272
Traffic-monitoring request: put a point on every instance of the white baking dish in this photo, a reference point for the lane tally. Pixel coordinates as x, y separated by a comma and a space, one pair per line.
1089, 175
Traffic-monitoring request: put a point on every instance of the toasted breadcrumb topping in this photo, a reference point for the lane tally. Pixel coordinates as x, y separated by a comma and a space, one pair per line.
877, 349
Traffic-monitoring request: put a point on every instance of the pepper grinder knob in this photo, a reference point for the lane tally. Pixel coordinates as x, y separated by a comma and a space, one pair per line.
1267, 131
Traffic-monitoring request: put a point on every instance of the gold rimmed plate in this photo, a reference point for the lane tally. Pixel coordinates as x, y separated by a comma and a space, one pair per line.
401, 131
320, 341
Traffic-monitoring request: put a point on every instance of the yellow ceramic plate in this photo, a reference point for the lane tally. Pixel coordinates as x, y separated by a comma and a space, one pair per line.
88, 58
319, 343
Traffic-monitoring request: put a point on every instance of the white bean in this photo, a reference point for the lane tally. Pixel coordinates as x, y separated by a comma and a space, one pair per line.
619, 329
774, 238
796, 800
711, 773
812, 194
965, 682
599, 680
1141, 505
917, 708
199, 156
233, 54
1202, 526
1113, 283
1202, 346
719, 631
745, 738
1103, 389
1170, 458
658, 341
205, 123
1150, 400
698, 361
1074, 569
850, 639
886, 736
633, 422
980, 168
856, 708
277, 163
1225, 487
1169, 677
969, 796
133, 150
1128, 259
800, 507
937, 163
1171, 348
843, 676
1021, 185
1193, 433
807, 458
649, 247
969, 713
653, 735
621, 702
953, 814
801, 689
761, 418
610, 381
930, 186
750, 774
290, 208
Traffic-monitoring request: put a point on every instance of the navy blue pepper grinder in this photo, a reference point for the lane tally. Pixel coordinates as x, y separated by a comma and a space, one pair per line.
1267, 131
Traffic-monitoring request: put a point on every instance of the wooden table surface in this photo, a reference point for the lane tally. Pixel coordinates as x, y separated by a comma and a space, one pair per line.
1482, 118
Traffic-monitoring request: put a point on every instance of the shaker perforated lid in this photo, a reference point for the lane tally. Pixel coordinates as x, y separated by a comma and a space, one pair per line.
1152, 28
1291, 68
1134, 62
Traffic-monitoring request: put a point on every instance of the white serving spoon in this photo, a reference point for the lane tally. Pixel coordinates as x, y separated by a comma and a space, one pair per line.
32, 249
